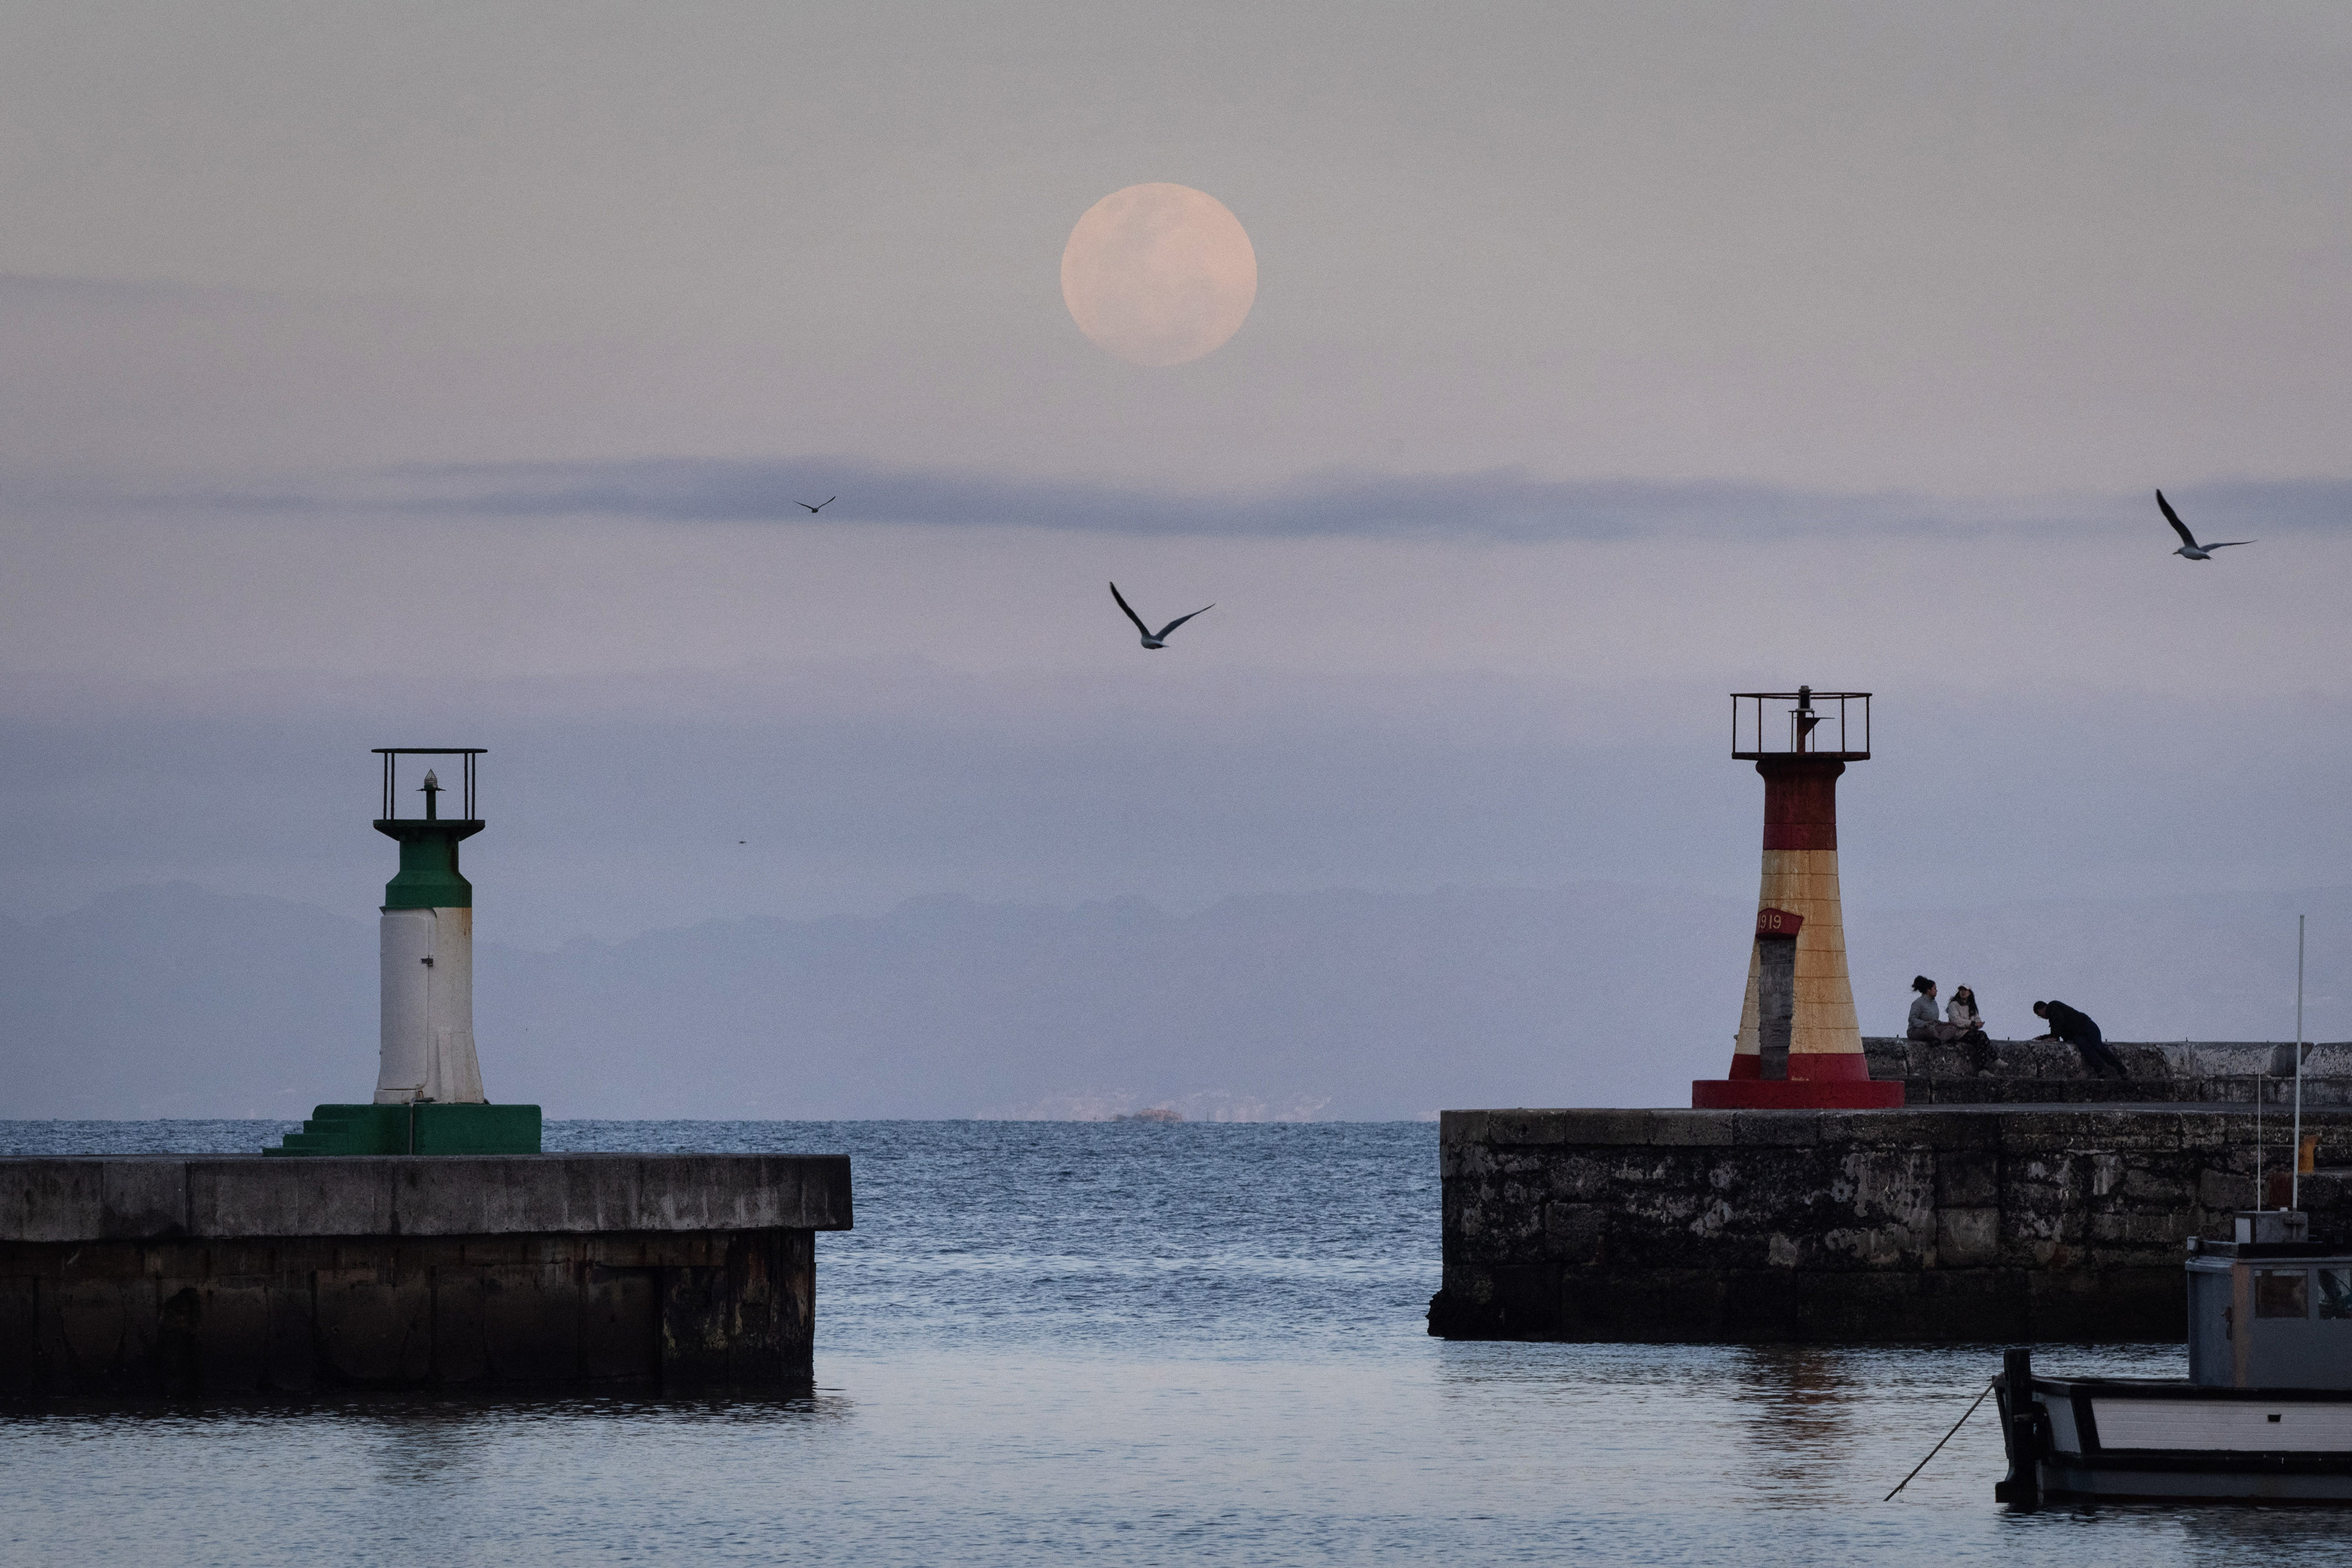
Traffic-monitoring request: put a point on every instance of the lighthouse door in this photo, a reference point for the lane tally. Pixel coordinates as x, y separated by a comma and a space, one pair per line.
1775, 1001
408, 984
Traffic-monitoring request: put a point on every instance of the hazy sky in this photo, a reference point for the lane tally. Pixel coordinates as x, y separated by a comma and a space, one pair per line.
426, 373
1963, 249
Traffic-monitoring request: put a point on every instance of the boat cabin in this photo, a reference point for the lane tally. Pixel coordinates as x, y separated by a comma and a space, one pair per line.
2270, 1308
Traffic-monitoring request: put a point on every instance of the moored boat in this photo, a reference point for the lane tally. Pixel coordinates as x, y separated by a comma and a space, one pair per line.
2264, 1415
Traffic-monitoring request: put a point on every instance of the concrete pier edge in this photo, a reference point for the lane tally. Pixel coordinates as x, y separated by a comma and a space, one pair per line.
170, 1274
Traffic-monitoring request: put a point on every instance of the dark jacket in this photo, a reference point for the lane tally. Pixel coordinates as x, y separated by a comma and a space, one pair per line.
2075, 1028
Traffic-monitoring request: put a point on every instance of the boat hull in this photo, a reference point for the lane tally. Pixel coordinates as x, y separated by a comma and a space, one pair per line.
2147, 1440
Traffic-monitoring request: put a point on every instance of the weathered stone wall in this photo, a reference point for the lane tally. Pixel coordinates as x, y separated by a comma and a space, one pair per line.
152, 1275
2050, 1224
2044, 1072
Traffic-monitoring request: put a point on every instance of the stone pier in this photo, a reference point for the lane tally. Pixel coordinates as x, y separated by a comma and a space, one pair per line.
1962, 1223
2042, 1072
160, 1274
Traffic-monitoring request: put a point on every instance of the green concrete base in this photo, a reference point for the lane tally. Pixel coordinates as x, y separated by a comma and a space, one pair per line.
424, 1129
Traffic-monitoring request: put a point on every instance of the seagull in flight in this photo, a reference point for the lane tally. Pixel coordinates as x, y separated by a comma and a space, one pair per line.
2188, 545
1151, 638
820, 506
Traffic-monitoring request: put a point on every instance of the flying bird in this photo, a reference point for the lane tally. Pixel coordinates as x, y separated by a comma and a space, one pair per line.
2188, 545
1151, 638
820, 506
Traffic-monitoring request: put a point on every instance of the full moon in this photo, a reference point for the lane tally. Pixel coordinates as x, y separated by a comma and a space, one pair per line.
1159, 274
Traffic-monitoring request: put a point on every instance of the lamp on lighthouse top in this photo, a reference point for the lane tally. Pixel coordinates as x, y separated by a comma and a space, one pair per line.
1831, 725
429, 878
431, 789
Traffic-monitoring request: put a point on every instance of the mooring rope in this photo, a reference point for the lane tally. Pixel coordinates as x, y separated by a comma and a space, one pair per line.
1946, 1438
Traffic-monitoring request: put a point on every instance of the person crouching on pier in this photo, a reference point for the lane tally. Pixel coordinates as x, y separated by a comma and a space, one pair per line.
1923, 1026
1963, 1014
2076, 1029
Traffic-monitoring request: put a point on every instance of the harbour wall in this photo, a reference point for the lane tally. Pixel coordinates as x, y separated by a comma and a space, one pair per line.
2046, 1222
2043, 1072
162, 1275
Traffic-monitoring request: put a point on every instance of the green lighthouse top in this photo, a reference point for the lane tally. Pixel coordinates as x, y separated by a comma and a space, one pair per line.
429, 878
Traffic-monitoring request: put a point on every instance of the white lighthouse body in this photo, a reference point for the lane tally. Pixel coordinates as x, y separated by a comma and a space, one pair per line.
428, 961
428, 1009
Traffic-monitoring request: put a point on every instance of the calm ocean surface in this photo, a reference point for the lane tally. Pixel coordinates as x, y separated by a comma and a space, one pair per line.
1083, 1342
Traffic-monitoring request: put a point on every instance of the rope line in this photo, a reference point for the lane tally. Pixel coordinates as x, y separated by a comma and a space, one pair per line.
1946, 1438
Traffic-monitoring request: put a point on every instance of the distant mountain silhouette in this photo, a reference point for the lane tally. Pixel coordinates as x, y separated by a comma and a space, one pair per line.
175, 1001
1346, 1005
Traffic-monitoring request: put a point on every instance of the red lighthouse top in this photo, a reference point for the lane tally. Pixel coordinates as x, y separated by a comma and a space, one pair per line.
1825, 724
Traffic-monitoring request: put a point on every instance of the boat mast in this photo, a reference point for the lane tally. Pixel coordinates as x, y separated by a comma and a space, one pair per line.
2294, 1182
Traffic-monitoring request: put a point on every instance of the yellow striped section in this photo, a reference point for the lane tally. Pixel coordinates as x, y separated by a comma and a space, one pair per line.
1805, 882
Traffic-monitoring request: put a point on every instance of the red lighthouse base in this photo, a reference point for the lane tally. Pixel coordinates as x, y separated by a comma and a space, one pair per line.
1802, 1094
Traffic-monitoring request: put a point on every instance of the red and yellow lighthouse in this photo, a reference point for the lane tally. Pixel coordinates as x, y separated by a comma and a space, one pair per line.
1800, 1045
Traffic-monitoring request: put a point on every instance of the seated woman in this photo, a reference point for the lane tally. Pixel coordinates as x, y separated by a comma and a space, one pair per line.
1963, 1014
1923, 1026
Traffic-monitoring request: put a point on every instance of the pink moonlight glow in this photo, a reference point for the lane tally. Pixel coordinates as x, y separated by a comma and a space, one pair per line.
1159, 274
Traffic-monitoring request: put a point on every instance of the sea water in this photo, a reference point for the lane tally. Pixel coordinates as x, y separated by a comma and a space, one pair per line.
1052, 1342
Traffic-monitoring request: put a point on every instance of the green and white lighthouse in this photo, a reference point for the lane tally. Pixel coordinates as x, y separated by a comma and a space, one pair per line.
428, 1088
428, 952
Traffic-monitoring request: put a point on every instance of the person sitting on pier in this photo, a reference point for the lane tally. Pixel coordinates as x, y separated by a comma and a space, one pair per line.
1963, 1014
1923, 1024
2076, 1029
